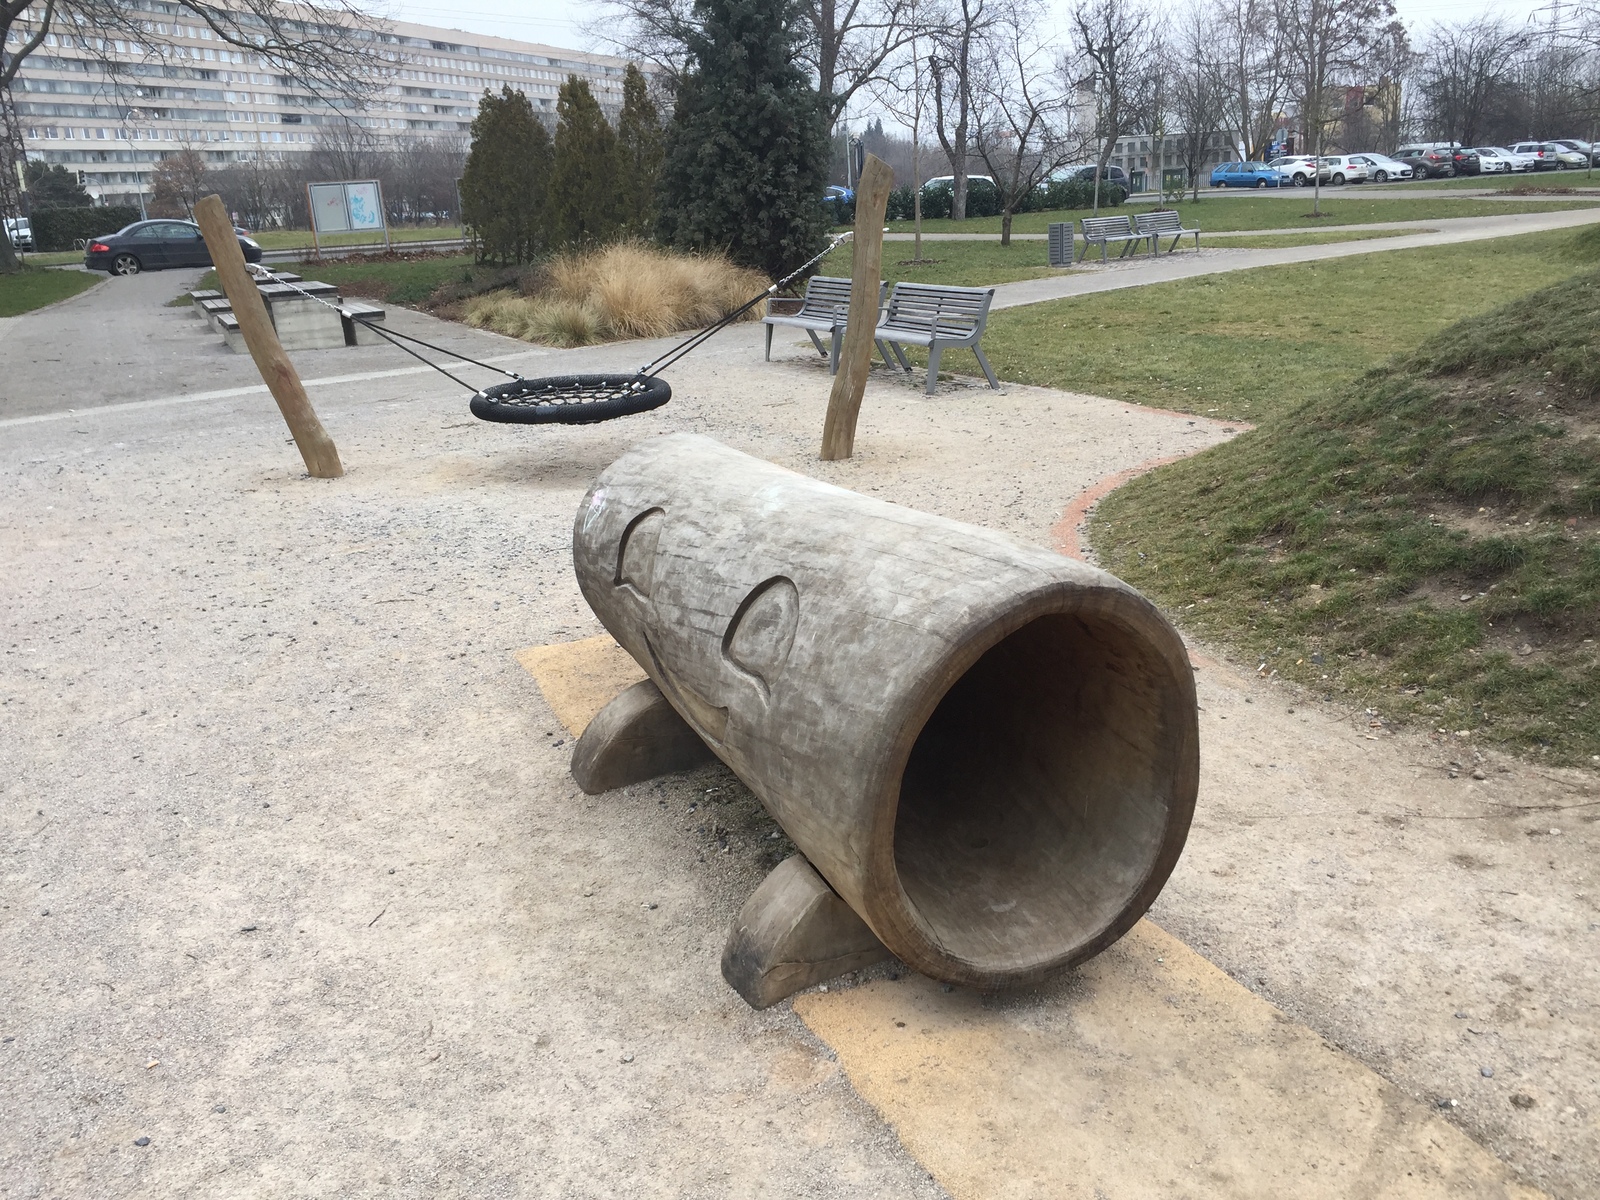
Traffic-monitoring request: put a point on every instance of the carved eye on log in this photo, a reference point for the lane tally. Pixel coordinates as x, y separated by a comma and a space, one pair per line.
636, 552
761, 633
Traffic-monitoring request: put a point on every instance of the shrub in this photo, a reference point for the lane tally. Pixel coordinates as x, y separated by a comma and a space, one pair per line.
58, 228
627, 290
902, 204
840, 212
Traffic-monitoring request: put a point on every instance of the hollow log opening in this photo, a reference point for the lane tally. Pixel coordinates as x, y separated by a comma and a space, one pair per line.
1036, 797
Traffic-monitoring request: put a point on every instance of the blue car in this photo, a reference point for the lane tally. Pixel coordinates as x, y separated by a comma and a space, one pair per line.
1249, 174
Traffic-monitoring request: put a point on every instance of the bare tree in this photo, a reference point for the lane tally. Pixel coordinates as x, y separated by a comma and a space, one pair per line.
904, 92
1328, 40
1248, 44
956, 57
1465, 72
329, 49
1197, 91
1116, 40
180, 180
1021, 129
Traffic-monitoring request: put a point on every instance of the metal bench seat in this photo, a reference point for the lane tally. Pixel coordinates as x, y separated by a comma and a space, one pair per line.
1157, 225
1101, 231
939, 318
825, 309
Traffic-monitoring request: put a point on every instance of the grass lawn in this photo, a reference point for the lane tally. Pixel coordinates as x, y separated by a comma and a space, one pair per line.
1249, 345
1504, 183
1225, 212
294, 239
979, 264
1421, 541
33, 288
56, 258
962, 264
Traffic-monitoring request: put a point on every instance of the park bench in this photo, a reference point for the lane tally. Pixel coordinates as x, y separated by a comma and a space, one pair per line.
212, 309
1101, 231
1157, 225
940, 318
824, 309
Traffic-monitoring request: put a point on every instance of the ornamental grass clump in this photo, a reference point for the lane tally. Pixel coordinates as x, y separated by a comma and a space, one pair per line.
627, 290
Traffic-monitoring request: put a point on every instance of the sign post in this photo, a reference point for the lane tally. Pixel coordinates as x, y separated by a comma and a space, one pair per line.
354, 206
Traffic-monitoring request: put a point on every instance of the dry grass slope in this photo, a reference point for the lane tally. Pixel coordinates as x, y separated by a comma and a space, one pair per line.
629, 290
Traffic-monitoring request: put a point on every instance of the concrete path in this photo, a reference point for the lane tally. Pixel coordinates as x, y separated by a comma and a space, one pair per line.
121, 342
1126, 273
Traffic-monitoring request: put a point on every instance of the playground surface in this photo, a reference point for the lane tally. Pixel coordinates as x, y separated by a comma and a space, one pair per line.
299, 890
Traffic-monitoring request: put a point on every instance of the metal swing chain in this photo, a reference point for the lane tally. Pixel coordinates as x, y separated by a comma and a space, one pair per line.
261, 273
700, 336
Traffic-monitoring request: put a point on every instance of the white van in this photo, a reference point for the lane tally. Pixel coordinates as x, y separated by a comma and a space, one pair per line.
20, 232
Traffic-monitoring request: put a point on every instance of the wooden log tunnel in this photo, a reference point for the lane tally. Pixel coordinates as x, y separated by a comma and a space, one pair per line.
988, 751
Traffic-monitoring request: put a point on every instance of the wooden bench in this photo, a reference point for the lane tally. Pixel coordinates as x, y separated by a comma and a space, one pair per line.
1101, 231
213, 309
940, 318
1157, 225
824, 309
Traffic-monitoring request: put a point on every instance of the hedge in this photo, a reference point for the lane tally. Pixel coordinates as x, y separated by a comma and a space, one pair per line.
58, 228
983, 200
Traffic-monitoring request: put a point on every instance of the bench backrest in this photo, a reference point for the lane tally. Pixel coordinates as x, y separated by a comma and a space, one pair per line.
1095, 228
1165, 221
947, 311
828, 296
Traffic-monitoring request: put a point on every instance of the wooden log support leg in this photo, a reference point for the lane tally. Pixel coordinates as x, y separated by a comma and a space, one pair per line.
794, 932
637, 736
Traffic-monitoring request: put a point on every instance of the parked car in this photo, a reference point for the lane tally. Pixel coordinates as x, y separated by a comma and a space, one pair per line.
20, 231
1249, 174
832, 192
949, 181
1381, 168
1573, 153
1497, 160
152, 245
1428, 162
1114, 174
1345, 168
1301, 168
1545, 155
1466, 160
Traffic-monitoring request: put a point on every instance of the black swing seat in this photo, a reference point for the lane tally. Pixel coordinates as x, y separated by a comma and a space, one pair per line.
570, 399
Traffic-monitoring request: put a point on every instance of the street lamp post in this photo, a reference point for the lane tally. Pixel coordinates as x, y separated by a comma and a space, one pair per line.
133, 157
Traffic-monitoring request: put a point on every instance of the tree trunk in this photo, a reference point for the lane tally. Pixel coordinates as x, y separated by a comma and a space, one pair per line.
1005, 227
10, 264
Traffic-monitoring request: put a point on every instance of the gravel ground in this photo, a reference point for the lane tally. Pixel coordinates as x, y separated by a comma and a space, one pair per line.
296, 885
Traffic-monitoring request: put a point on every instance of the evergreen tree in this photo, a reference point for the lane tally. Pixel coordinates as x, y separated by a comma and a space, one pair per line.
747, 151
53, 186
505, 187
639, 147
583, 190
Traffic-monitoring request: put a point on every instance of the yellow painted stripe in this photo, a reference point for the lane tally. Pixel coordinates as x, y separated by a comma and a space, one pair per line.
579, 678
1148, 1073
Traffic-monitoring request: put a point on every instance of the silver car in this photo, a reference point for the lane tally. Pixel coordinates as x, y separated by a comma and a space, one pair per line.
1381, 168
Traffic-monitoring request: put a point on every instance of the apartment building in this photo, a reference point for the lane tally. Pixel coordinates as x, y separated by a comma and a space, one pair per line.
189, 89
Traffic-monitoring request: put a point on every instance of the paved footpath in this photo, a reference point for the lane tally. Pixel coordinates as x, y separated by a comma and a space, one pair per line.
1126, 273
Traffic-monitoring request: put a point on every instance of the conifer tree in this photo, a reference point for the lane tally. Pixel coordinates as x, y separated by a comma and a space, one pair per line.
584, 205
505, 187
747, 151
639, 146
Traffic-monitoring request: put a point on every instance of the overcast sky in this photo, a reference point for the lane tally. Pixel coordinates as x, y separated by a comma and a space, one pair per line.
558, 22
